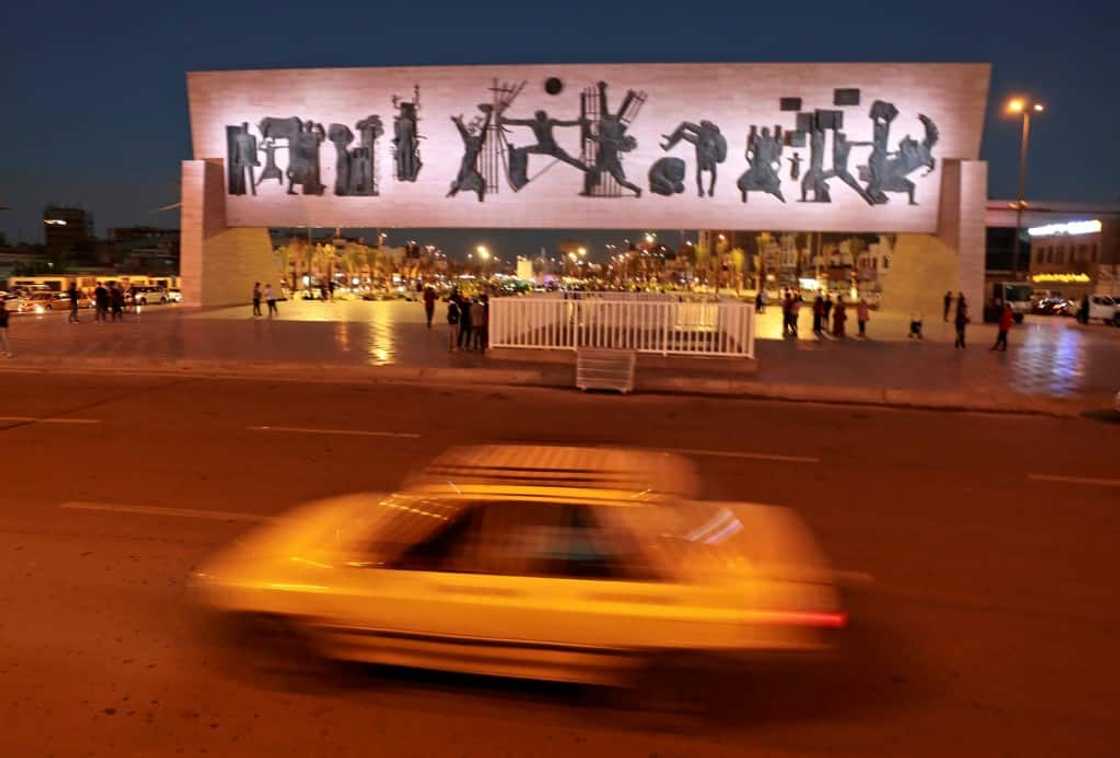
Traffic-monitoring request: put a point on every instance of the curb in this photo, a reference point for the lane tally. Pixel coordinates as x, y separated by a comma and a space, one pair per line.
557, 376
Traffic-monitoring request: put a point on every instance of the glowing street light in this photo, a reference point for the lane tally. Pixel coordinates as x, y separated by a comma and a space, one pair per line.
483, 252
1021, 106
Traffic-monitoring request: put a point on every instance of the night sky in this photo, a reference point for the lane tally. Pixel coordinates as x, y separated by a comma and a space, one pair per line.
95, 108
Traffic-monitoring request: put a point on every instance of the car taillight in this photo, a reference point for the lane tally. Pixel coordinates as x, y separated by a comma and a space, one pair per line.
821, 619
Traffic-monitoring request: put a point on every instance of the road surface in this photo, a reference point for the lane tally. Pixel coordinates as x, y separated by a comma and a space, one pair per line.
977, 553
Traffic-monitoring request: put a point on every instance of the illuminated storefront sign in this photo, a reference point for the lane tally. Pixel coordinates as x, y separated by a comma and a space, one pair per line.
1073, 227
1061, 278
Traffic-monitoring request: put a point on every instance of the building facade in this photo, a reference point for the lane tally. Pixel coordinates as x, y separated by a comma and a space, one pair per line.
1068, 249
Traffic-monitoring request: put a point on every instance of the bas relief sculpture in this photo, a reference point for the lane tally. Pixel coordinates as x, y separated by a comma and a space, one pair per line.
666, 177
604, 138
764, 156
711, 150
406, 137
473, 135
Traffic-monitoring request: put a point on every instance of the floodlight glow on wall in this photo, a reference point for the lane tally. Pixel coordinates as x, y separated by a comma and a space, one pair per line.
1072, 228
55, 221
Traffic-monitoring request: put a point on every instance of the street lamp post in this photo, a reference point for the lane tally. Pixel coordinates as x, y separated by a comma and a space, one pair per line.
1024, 107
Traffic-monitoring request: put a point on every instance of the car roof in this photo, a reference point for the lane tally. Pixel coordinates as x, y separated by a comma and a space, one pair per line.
535, 468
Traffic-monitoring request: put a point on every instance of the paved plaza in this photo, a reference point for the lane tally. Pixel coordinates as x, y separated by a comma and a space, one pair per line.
1049, 357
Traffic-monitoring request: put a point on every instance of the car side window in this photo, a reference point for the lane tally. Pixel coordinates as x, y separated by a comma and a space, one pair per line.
439, 551
549, 540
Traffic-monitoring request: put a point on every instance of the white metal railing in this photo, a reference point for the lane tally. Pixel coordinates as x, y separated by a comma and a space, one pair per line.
667, 328
653, 297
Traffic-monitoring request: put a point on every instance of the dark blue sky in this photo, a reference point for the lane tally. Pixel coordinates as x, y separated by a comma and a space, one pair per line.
94, 93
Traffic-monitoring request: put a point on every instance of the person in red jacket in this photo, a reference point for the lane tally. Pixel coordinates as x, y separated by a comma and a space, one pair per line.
1006, 318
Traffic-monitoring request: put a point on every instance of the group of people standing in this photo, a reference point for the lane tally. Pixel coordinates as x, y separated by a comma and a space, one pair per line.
825, 311
468, 320
268, 296
108, 302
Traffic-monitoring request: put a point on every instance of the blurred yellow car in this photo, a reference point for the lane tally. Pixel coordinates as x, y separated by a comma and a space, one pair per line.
558, 563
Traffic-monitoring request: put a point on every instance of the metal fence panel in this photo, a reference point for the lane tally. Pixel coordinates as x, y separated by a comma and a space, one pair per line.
667, 327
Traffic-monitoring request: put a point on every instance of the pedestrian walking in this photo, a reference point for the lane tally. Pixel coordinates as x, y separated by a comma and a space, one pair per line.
480, 321
453, 318
101, 303
465, 324
759, 302
270, 298
839, 316
787, 311
429, 303
960, 320
75, 298
794, 315
1006, 319
827, 308
5, 345
1083, 311
256, 299
863, 315
116, 301
818, 314
948, 304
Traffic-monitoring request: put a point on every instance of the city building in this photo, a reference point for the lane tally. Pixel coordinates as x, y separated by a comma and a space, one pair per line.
67, 230
1068, 249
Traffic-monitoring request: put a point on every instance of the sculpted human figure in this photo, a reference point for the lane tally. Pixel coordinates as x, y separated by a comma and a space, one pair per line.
814, 179
795, 166
666, 176
241, 151
341, 137
474, 137
612, 140
542, 127
303, 166
271, 170
764, 155
406, 138
711, 149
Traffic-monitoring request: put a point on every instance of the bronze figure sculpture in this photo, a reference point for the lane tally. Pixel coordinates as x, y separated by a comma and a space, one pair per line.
542, 127
474, 137
406, 137
764, 155
711, 149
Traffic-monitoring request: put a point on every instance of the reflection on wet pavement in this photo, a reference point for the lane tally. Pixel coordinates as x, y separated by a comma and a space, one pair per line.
1048, 356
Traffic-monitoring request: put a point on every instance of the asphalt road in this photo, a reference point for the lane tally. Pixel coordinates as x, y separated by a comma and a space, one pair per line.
982, 588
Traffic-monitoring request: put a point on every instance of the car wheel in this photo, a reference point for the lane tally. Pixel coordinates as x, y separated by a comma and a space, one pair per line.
163, 301
269, 646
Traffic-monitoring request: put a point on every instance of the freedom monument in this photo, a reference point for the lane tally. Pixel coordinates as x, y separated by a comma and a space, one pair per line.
828, 147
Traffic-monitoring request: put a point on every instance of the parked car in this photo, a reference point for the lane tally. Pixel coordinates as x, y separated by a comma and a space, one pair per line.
39, 301
1102, 308
1054, 306
560, 563
174, 296
147, 295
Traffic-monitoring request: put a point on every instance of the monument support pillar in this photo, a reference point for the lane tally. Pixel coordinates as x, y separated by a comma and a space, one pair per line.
925, 266
960, 225
218, 264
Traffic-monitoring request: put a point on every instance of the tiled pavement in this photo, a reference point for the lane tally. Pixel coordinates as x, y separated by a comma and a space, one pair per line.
1049, 356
